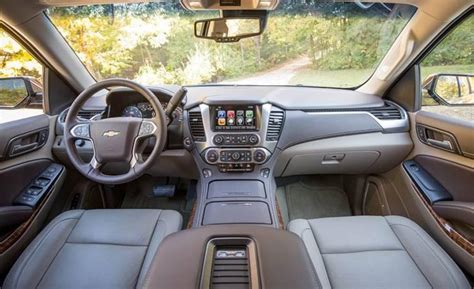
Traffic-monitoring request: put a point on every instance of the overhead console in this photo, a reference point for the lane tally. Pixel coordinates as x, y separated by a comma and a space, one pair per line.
230, 4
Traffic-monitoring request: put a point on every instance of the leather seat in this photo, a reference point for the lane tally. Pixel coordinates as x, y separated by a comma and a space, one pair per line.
93, 249
376, 252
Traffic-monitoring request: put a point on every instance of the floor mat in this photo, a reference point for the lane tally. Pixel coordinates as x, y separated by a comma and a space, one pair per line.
141, 197
316, 197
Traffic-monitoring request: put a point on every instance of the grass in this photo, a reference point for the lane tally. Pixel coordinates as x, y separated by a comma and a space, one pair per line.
355, 77
331, 78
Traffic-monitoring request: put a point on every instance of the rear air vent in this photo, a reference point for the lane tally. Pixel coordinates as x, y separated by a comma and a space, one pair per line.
387, 112
275, 124
196, 126
230, 271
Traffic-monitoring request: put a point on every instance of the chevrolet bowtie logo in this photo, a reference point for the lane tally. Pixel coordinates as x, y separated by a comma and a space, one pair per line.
111, 133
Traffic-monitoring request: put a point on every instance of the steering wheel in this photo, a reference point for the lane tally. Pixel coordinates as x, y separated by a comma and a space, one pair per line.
115, 139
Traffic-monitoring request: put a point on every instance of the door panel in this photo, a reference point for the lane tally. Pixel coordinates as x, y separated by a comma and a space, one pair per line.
22, 216
447, 219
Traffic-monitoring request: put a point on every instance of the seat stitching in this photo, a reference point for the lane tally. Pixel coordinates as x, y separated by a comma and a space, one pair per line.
158, 220
40, 243
60, 249
408, 253
324, 264
147, 277
432, 251
364, 251
105, 244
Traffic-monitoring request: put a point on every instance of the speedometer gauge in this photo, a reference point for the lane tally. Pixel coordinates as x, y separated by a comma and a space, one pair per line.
132, 111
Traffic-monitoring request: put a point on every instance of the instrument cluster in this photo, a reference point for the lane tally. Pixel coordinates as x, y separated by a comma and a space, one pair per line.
145, 110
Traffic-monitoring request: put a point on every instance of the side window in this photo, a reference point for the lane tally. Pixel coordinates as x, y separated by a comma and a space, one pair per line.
447, 73
21, 88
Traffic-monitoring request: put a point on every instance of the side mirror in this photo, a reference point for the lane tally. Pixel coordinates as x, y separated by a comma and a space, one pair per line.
451, 89
230, 29
13, 91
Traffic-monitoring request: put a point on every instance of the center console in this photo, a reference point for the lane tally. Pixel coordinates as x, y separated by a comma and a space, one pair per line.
234, 146
233, 256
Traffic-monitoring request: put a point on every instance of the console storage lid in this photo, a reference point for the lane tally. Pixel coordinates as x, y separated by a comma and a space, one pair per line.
281, 257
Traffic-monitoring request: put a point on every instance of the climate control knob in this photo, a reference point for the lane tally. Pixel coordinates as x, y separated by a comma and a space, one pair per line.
259, 156
212, 156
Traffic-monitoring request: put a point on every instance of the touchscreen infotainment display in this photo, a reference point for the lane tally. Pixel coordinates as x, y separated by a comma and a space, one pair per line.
237, 118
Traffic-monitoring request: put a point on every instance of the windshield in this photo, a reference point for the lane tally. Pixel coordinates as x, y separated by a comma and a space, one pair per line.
317, 44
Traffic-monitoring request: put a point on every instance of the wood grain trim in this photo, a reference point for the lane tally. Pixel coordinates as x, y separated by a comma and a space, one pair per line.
18, 233
281, 224
446, 227
191, 217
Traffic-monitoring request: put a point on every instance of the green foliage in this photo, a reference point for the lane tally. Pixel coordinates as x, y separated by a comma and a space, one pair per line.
15, 60
456, 48
155, 43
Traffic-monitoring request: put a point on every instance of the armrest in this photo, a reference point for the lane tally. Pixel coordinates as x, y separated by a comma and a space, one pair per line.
458, 211
11, 216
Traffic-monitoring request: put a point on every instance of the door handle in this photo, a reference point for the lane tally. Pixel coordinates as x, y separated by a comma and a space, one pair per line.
19, 149
437, 138
444, 144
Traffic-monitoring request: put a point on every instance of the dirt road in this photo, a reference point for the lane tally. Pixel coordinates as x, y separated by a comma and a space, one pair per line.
277, 76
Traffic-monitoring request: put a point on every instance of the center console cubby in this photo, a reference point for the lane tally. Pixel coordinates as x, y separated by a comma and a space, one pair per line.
236, 213
236, 189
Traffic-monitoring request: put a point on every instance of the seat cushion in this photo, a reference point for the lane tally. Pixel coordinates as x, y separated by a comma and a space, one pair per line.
93, 249
376, 252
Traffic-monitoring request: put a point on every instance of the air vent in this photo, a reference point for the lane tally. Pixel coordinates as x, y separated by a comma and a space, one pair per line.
275, 124
196, 126
84, 114
88, 114
230, 268
387, 112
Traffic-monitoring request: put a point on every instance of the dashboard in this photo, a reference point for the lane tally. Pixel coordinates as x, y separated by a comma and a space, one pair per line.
289, 130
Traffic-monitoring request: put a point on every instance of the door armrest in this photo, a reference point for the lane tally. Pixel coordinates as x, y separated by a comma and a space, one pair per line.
458, 211
12, 216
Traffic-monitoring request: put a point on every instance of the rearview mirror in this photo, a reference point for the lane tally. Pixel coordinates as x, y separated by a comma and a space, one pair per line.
13, 91
451, 89
228, 29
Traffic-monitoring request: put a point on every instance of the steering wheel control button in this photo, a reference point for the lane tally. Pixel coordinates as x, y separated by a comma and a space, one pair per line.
147, 128
81, 131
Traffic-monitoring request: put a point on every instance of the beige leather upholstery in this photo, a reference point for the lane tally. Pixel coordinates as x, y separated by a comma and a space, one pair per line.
93, 249
376, 252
